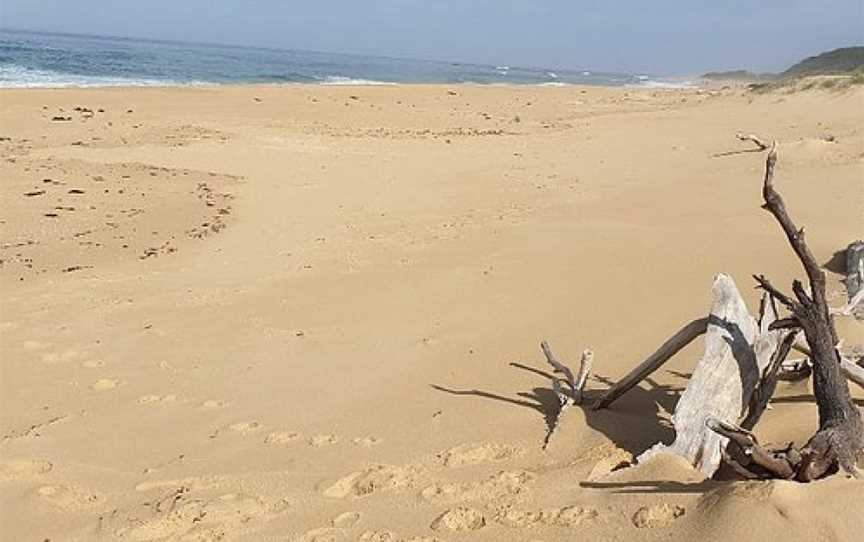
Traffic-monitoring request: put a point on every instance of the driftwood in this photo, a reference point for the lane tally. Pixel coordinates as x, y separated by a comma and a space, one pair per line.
678, 341
738, 350
854, 269
851, 370
756, 141
575, 385
734, 381
855, 306
839, 440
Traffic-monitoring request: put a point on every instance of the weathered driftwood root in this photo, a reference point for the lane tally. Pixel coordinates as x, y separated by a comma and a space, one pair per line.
738, 350
795, 370
747, 457
840, 438
756, 141
768, 383
575, 385
855, 306
854, 268
675, 344
851, 370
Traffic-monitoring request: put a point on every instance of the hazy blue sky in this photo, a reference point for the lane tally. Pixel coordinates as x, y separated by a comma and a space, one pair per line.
657, 36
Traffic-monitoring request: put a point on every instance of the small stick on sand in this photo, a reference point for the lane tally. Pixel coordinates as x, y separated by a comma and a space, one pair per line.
566, 398
750, 137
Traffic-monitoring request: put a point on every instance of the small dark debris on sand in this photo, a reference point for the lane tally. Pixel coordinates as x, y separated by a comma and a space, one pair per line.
34, 193
59, 118
76, 268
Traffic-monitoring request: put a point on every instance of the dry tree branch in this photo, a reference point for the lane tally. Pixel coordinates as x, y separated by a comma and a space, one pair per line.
675, 344
576, 385
768, 383
851, 370
774, 463
840, 438
849, 308
750, 137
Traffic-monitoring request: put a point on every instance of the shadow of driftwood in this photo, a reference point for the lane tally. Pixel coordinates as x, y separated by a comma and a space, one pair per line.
733, 153
647, 486
837, 263
748, 368
543, 400
625, 426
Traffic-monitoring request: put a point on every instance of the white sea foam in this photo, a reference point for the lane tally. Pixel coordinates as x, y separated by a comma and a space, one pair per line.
339, 80
14, 76
657, 83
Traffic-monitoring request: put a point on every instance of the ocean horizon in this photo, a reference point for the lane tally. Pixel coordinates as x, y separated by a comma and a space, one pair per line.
31, 59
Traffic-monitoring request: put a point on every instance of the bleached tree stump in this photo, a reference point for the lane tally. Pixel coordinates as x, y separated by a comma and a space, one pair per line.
854, 269
738, 349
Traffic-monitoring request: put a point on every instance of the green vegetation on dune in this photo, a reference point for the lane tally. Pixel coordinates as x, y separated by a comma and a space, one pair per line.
834, 70
836, 62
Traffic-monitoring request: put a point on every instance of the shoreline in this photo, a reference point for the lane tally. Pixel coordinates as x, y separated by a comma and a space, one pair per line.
690, 85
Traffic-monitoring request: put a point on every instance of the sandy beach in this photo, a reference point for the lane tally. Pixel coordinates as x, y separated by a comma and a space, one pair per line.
313, 313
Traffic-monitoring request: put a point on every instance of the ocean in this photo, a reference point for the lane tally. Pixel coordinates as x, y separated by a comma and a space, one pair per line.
35, 59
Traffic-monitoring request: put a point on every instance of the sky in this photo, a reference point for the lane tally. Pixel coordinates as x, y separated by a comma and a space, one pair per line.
664, 37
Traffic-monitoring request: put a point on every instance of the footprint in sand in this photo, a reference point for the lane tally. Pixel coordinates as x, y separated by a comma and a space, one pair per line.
373, 480
323, 534
104, 384
246, 428
379, 536
475, 454
323, 440
568, 516
69, 497
212, 404
346, 520
500, 486
23, 468
191, 483
459, 519
153, 399
367, 442
202, 519
282, 437
658, 515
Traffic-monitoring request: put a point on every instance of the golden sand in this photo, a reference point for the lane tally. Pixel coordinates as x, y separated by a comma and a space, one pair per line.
311, 313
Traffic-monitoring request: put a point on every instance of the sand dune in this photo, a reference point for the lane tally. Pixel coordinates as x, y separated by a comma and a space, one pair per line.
312, 313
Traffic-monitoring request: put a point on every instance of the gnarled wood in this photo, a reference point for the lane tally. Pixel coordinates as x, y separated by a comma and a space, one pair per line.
576, 385
840, 438
738, 349
768, 383
851, 370
678, 341
756, 141
751, 452
854, 269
